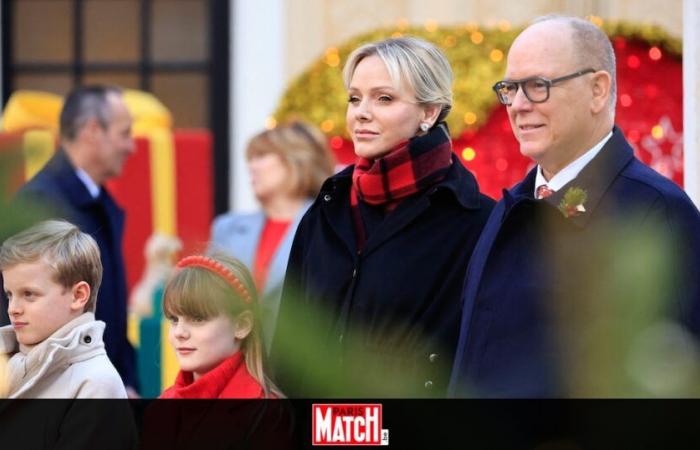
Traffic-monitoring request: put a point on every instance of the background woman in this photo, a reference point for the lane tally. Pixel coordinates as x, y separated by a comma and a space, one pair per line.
287, 165
371, 301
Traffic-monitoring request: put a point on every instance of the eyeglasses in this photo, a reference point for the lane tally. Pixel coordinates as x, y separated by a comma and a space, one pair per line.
536, 89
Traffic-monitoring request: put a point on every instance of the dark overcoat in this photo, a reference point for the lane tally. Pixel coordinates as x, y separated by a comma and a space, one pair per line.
383, 321
542, 288
57, 187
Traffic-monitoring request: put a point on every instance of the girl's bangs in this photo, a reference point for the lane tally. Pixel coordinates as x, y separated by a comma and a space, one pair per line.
196, 292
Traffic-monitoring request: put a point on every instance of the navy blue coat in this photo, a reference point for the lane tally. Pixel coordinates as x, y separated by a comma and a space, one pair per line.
536, 275
385, 321
58, 187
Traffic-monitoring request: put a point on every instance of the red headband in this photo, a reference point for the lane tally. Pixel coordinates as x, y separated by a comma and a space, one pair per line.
214, 266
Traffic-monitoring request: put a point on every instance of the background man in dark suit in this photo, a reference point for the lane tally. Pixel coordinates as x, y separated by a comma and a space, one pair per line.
590, 266
96, 140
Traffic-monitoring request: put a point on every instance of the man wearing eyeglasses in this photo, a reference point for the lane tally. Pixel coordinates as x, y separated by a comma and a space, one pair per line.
589, 265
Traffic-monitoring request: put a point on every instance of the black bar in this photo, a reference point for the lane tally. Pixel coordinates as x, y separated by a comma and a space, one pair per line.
7, 56
78, 32
145, 64
409, 424
220, 77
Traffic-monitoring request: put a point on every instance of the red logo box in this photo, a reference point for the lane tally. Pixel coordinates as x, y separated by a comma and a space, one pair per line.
347, 424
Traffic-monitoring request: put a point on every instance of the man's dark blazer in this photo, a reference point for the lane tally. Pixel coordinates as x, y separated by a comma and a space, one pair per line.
59, 189
540, 286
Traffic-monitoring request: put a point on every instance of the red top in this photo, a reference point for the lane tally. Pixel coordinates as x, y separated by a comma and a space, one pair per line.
270, 239
230, 379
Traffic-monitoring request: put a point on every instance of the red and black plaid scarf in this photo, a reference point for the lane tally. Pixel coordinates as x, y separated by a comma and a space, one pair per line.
411, 167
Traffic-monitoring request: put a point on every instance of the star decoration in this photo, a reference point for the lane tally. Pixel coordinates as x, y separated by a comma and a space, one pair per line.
666, 151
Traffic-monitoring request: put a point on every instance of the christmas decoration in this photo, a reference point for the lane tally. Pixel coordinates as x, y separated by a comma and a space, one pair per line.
649, 108
573, 202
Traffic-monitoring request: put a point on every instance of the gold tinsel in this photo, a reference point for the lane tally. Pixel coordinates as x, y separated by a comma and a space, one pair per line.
478, 60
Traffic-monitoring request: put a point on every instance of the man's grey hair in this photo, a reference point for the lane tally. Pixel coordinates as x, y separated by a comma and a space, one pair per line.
83, 104
592, 48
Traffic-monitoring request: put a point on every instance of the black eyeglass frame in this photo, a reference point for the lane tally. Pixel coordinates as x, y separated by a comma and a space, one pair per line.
520, 84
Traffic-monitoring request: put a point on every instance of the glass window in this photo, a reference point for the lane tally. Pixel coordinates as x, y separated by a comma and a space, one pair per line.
43, 31
111, 36
57, 83
190, 19
184, 94
121, 79
111, 31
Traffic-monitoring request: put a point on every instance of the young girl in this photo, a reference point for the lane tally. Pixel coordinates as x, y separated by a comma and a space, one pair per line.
212, 306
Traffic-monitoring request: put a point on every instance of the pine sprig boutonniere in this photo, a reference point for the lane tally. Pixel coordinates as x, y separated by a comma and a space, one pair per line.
572, 203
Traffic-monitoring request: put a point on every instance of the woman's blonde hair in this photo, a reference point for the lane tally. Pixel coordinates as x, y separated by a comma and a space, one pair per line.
198, 292
303, 148
414, 61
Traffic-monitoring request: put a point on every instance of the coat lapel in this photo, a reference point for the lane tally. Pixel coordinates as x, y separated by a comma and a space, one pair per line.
405, 214
597, 176
459, 183
335, 205
523, 191
64, 174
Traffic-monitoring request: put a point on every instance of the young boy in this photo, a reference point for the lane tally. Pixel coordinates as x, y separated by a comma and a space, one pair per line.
52, 272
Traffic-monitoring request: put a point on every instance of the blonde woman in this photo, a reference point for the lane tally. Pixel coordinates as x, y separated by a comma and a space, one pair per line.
377, 265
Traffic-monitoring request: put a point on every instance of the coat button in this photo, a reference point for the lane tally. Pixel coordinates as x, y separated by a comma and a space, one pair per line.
340, 339
327, 198
428, 385
87, 339
354, 272
433, 357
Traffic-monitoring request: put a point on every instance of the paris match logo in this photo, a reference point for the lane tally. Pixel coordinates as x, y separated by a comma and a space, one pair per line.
348, 424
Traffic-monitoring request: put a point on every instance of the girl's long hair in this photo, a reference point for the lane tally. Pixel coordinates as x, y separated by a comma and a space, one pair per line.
198, 292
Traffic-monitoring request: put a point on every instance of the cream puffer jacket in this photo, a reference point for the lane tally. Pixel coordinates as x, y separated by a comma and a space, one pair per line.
71, 363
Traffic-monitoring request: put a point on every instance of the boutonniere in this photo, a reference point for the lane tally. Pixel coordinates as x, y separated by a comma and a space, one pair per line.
572, 203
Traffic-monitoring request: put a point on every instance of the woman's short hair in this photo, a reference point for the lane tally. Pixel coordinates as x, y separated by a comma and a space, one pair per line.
414, 61
304, 149
73, 255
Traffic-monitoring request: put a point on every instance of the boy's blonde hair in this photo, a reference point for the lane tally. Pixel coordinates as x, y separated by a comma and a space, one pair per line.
198, 292
73, 255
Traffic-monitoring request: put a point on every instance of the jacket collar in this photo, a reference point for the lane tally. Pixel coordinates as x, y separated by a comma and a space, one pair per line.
227, 380
81, 338
334, 198
522, 191
460, 182
64, 172
594, 179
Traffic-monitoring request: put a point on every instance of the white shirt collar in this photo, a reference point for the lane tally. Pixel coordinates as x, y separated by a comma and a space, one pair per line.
571, 171
91, 186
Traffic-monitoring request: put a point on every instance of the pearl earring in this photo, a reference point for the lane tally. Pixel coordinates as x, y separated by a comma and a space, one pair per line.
424, 127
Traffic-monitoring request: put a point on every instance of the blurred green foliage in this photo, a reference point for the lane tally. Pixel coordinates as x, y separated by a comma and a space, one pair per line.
619, 335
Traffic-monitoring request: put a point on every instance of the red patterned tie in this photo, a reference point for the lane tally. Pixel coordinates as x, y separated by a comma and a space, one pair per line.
544, 191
